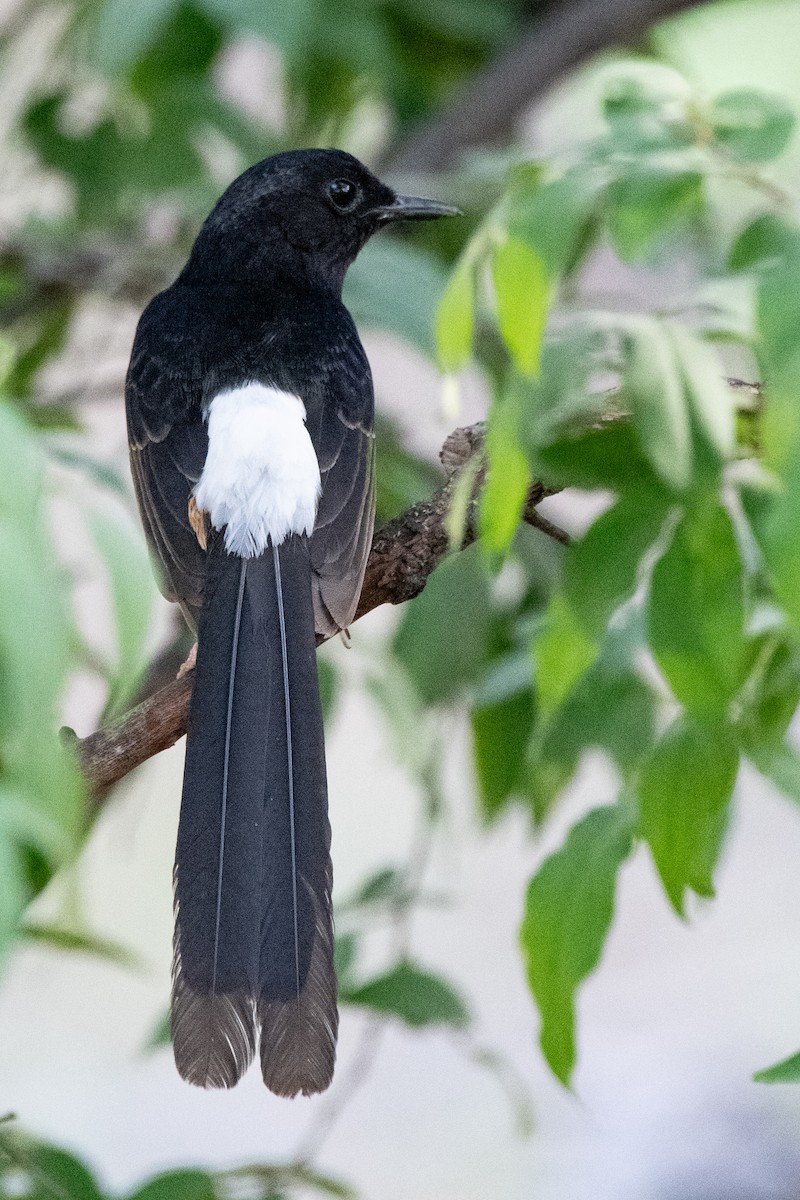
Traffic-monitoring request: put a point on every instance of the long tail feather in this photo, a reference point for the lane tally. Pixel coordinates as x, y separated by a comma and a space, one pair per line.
296, 1007
217, 860
253, 934
287, 712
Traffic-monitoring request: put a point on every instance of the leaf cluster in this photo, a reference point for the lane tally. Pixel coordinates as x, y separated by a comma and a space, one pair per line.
669, 637
40, 792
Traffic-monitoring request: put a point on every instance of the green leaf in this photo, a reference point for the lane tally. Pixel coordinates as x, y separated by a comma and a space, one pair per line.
601, 569
562, 653
752, 126
777, 535
684, 792
53, 1173
640, 120
507, 481
500, 737
30, 825
345, 956
609, 457
51, 327
21, 477
160, 1035
786, 1071
14, 893
403, 478
384, 885
35, 649
646, 203
478, 21
560, 402
710, 399
183, 52
610, 707
133, 595
771, 693
177, 1185
328, 685
762, 243
653, 388
408, 305
442, 637
506, 677
286, 25
551, 217
778, 291
75, 941
149, 141
100, 473
461, 502
568, 911
415, 996
696, 611
455, 318
777, 762
124, 31
523, 289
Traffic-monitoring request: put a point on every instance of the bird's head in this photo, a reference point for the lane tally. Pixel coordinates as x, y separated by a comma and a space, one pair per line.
311, 207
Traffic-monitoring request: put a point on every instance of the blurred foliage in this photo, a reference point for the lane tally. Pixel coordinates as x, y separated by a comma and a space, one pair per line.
671, 641
667, 636
31, 1169
40, 793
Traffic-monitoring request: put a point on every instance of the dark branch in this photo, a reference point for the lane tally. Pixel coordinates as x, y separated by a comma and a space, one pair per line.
486, 110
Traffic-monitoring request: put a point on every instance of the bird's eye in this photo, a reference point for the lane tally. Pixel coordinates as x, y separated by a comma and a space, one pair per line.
343, 193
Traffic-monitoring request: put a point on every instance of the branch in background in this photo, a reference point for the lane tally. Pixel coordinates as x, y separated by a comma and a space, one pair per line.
404, 554
114, 266
486, 110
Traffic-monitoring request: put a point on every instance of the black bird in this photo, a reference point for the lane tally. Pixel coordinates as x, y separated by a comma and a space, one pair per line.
250, 411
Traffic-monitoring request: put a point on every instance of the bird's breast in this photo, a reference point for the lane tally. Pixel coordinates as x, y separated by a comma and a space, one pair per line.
260, 481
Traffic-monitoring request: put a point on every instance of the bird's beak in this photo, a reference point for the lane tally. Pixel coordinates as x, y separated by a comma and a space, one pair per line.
415, 208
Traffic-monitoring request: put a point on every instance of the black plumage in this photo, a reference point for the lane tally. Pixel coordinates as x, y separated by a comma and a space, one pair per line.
259, 303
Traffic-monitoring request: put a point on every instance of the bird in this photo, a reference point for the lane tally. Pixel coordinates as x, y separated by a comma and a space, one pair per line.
249, 405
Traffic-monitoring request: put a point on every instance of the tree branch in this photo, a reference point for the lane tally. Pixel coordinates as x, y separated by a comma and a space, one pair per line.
404, 554
485, 110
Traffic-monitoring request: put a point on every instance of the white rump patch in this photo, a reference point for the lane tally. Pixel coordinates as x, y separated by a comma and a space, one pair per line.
261, 475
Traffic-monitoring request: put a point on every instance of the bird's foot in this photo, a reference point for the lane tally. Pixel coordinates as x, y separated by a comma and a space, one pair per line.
198, 519
189, 664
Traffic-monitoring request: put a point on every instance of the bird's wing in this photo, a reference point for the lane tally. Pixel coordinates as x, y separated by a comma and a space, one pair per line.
168, 444
344, 441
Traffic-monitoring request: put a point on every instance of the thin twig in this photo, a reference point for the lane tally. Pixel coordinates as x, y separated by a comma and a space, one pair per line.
348, 1082
540, 521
